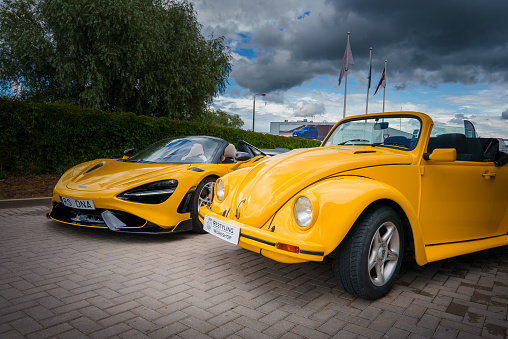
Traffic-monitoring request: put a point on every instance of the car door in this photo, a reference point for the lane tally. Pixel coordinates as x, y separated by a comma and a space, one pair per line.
501, 199
462, 200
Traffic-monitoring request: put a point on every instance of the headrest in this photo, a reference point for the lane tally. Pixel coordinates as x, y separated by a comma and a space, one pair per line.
230, 151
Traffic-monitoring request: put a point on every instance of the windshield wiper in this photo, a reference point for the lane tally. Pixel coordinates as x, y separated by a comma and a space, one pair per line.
354, 140
397, 144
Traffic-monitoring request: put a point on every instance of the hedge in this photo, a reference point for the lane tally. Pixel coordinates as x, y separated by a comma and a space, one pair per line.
47, 138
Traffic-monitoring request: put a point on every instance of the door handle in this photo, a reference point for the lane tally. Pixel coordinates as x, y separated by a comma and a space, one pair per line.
488, 174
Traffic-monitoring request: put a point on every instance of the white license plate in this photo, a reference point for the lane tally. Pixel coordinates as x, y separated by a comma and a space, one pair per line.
82, 204
221, 229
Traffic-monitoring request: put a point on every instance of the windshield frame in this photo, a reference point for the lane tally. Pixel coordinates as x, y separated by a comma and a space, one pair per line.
378, 117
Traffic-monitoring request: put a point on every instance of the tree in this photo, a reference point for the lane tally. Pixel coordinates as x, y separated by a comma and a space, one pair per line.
223, 119
143, 56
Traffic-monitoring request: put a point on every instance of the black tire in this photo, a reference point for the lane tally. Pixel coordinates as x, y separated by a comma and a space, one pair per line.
202, 196
368, 260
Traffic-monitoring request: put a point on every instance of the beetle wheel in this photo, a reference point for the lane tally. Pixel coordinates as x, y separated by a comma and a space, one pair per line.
203, 196
370, 256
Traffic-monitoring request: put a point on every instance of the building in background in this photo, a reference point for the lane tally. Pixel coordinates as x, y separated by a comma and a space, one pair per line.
304, 129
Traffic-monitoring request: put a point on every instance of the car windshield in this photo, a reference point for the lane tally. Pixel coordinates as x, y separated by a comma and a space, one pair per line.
189, 150
401, 132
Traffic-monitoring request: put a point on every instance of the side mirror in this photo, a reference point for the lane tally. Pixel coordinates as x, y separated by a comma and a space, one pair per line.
242, 156
128, 153
442, 155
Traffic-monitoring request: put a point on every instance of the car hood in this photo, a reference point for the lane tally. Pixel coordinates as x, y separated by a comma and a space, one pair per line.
117, 174
267, 186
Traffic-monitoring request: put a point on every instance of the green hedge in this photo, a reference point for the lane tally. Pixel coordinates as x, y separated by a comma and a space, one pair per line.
43, 138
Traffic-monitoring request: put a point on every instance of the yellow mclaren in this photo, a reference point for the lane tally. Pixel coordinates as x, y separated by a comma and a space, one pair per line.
156, 190
381, 186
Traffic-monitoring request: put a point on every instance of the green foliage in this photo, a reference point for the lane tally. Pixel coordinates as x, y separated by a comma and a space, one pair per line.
49, 138
143, 56
223, 119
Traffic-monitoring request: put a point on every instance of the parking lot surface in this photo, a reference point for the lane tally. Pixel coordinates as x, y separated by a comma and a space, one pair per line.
65, 281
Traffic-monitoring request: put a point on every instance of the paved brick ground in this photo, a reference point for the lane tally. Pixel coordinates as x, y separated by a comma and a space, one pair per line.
71, 282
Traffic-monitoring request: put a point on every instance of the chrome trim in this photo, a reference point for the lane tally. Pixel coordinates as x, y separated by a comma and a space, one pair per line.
237, 215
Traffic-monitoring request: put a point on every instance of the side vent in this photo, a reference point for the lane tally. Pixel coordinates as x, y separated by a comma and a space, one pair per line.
94, 168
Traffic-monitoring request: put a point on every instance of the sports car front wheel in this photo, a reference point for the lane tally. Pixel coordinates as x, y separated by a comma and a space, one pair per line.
202, 197
369, 258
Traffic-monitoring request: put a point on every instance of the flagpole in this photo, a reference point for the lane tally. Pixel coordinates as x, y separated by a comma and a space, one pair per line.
345, 83
384, 88
368, 84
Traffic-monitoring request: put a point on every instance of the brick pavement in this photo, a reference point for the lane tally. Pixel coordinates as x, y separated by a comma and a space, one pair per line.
71, 282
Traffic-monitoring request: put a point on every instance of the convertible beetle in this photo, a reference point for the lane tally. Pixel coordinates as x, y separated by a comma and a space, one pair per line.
380, 186
156, 190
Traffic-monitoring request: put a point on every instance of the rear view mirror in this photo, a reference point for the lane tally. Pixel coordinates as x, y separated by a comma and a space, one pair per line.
380, 125
128, 153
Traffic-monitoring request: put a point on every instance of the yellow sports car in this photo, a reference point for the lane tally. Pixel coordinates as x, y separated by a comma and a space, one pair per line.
156, 190
381, 186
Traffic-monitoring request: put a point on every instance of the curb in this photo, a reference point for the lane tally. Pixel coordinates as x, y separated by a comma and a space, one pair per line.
30, 202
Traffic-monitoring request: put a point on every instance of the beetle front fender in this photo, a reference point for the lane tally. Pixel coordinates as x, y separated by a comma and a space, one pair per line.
341, 201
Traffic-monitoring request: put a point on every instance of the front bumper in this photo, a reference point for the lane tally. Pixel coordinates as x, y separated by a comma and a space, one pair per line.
113, 220
270, 244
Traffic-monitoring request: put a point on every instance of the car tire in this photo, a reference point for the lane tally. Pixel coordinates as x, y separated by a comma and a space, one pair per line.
369, 258
202, 196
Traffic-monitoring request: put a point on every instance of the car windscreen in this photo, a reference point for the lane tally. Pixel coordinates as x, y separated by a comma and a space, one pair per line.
400, 132
179, 151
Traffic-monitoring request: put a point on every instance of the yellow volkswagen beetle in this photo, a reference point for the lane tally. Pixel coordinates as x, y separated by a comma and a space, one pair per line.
156, 190
381, 186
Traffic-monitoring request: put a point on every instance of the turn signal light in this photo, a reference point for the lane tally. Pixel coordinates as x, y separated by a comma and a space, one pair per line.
286, 247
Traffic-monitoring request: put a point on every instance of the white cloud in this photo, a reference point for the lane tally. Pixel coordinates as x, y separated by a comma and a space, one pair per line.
308, 109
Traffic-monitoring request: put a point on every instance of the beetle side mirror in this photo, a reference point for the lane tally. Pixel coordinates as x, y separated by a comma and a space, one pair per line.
442, 155
242, 156
128, 153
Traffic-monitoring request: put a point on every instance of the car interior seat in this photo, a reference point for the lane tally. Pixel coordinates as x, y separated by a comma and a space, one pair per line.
397, 140
229, 154
468, 149
196, 151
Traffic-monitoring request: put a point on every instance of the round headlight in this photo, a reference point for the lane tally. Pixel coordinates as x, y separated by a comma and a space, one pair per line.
303, 211
220, 190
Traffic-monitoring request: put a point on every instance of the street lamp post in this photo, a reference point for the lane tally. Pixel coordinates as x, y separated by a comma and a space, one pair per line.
254, 108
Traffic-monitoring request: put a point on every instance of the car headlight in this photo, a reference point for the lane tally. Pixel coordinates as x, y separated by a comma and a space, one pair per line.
302, 211
221, 190
152, 193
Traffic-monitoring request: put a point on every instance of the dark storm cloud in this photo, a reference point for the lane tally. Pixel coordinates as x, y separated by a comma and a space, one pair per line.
504, 115
425, 42
274, 72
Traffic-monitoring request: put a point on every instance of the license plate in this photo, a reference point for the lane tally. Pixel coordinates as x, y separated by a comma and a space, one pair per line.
222, 229
82, 204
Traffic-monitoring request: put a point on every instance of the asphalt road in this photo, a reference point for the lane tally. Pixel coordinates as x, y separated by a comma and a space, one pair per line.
69, 282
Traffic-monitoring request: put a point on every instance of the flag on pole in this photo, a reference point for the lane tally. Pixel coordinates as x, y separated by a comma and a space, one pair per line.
382, 81
370, 69
346, 61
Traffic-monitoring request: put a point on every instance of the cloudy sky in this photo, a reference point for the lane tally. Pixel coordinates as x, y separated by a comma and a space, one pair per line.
448, 59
